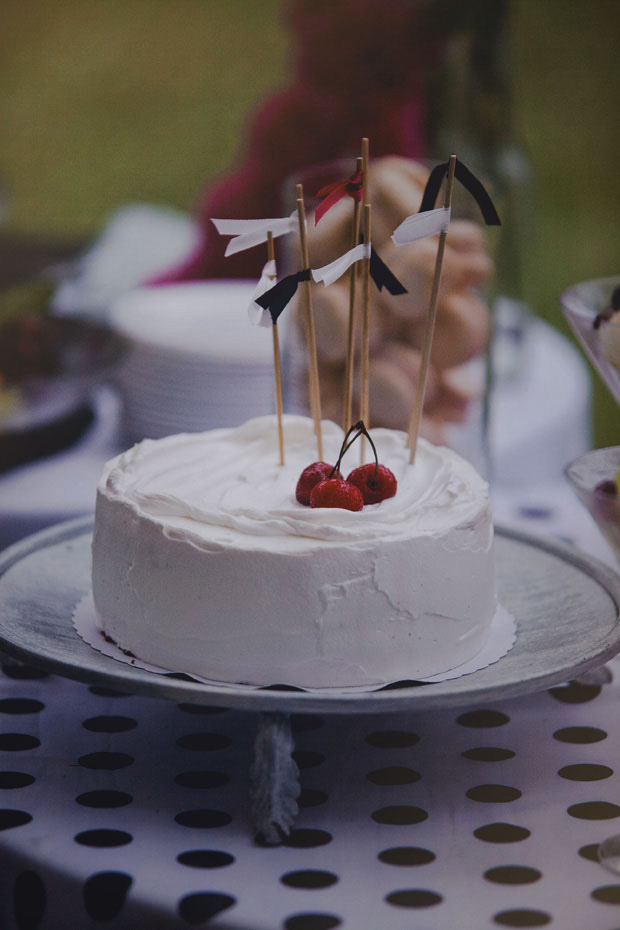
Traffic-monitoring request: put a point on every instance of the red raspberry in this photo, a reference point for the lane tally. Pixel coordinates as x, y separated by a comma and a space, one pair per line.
374, 487
336, 492
310, 476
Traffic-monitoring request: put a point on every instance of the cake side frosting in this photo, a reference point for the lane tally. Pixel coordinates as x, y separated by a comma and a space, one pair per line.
204, 562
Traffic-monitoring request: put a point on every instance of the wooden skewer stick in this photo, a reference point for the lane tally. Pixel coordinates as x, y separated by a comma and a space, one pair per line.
418, 400
350, 364
364, 397
365, 190
364, 401
306, 293
271, 256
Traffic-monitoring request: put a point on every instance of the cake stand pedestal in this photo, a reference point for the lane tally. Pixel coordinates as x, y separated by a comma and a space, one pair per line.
274, 779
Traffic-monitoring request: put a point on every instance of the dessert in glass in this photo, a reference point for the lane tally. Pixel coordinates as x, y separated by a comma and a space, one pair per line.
593, 310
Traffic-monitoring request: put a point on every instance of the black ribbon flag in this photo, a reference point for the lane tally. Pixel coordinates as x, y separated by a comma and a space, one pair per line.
469, 181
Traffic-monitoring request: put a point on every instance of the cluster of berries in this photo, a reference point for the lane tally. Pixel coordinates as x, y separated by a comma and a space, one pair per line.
322, 485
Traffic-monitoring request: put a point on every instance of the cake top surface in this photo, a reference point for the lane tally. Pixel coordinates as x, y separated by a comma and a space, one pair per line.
226, 487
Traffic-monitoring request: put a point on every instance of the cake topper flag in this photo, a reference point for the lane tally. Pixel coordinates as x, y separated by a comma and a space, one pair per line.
334, 192
257, 314
379, 271
469, 181
276, 299
420, 225
248, 233
428, 221
409, 230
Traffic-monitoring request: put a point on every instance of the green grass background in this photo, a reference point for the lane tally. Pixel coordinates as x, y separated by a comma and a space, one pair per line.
103, 102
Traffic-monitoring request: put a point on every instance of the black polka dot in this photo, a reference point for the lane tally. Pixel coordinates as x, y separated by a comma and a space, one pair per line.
204, 709
23, 672
204, 742
522, 918
594, 810
203, 819
103, 839
302, 723
29, 900
106, 761
488, 754
501, 833
312, 922
20, 706
104, 895
17, 742
15, 779
201, 779
392, 739
512, 875
393, 775
585, 772
107, 692
589, 852
308, 760
483, 718
493, 794
608, 894
309, 878
399, 815
306, 838
413, 897
580, 735
406, 856
110, 724
309, 797
104, 799
575, 693
101, 691
196, 908
205, 858
10, 818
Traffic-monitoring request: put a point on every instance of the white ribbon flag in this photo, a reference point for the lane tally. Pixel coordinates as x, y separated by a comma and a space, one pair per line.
248, 233
421, 225
257, 314
330, 273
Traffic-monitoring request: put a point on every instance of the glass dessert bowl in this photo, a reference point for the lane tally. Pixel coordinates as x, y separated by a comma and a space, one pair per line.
595, 478
592, 309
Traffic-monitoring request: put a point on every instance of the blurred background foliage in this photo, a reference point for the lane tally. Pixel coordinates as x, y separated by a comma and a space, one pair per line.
106, 102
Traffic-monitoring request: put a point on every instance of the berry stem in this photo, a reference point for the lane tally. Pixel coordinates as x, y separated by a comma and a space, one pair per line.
360, 430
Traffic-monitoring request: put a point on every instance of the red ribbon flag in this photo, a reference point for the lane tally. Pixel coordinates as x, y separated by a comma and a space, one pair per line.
334, 192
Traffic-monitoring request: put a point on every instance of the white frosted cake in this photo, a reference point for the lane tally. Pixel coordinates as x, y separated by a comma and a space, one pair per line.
204, 562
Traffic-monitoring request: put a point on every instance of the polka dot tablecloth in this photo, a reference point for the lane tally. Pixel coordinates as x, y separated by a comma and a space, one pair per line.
124, 811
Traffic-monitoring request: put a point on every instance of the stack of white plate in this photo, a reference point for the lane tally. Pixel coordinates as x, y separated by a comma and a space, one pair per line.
195, 361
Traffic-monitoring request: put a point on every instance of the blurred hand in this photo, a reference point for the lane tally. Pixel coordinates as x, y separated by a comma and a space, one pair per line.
397, 323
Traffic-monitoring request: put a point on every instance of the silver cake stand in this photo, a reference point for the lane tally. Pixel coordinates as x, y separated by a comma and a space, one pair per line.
566, 607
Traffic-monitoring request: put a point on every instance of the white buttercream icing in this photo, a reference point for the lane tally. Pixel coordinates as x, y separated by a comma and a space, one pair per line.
204, 561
